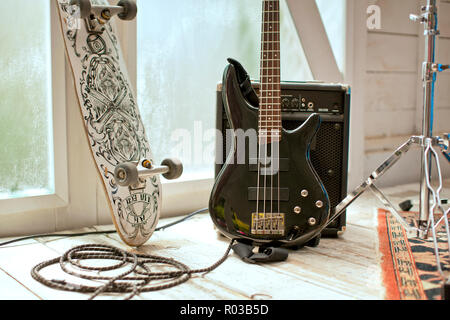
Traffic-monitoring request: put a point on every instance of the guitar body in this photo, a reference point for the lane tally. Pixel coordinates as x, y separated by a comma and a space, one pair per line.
293, 205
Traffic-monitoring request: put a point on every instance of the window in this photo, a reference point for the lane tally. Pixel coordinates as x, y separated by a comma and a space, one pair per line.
26, 154
33, 147
182, 47
181, 56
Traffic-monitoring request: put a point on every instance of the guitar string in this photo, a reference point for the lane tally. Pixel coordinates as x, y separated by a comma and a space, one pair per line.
278, 99
272, 36
276, 40
266, 112
279, 102
264, 106
269, 88
259, 135
274, 48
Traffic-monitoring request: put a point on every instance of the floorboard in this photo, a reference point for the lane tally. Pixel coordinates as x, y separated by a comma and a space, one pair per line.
338, 269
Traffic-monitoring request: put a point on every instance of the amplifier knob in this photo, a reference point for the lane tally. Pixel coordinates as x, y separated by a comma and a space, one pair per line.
295, 103
285, 103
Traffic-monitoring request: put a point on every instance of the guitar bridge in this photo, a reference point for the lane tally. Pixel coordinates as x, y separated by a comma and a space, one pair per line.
268, 224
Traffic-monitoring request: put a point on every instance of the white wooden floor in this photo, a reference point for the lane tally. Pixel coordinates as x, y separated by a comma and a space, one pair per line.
344, 268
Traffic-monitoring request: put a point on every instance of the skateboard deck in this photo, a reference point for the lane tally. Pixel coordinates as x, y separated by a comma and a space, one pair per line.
112, 121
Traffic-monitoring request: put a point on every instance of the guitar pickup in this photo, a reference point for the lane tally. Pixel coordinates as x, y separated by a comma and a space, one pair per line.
283, 194
253, 165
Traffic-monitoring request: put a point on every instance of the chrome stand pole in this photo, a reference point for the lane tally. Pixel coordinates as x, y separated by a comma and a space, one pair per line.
429, 21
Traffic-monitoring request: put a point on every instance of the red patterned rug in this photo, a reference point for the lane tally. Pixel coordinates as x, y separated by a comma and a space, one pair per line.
409, 265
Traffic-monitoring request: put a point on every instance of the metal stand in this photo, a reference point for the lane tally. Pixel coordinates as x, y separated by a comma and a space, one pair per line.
429, 20
430, 200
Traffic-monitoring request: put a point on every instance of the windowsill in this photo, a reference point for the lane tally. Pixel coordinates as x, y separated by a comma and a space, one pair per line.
190, 177
26, 194
183, 196
33, 203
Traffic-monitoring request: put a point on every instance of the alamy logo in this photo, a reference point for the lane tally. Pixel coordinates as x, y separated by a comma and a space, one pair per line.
374, 18
251, 147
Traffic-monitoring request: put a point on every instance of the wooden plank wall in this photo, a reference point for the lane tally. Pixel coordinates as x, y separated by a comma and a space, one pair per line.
393, 98
443, 56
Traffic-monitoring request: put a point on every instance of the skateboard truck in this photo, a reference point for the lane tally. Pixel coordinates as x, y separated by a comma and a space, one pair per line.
130, 173
98, 15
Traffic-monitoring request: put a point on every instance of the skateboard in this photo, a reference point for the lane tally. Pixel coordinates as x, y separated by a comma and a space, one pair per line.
111, 117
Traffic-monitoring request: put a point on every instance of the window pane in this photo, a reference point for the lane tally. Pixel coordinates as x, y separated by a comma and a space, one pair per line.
182, 51
333, 13
25, 105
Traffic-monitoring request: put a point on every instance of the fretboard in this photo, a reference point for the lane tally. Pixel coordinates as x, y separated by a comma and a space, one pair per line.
269, 97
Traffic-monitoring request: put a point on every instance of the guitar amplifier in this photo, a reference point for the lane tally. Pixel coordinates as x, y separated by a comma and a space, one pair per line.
329, 150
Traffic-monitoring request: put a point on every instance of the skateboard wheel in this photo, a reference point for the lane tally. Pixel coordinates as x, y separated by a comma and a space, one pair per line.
85, 7
175, 168
126, 174
130, 9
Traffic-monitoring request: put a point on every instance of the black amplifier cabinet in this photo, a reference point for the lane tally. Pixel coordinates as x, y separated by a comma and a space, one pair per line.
329, 150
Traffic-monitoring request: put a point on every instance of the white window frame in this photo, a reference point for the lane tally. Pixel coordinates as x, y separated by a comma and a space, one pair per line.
59, 161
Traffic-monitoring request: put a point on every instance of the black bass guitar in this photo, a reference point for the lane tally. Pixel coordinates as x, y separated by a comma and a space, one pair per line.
267, 191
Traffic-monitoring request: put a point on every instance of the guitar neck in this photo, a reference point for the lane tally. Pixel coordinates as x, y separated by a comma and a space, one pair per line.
269, 99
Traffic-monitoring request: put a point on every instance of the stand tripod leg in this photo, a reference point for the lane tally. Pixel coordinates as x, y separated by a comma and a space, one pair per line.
430, 153
385, 166
411, 231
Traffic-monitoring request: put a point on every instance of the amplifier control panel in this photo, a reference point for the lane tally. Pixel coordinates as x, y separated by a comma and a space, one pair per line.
312, 97
312, 101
